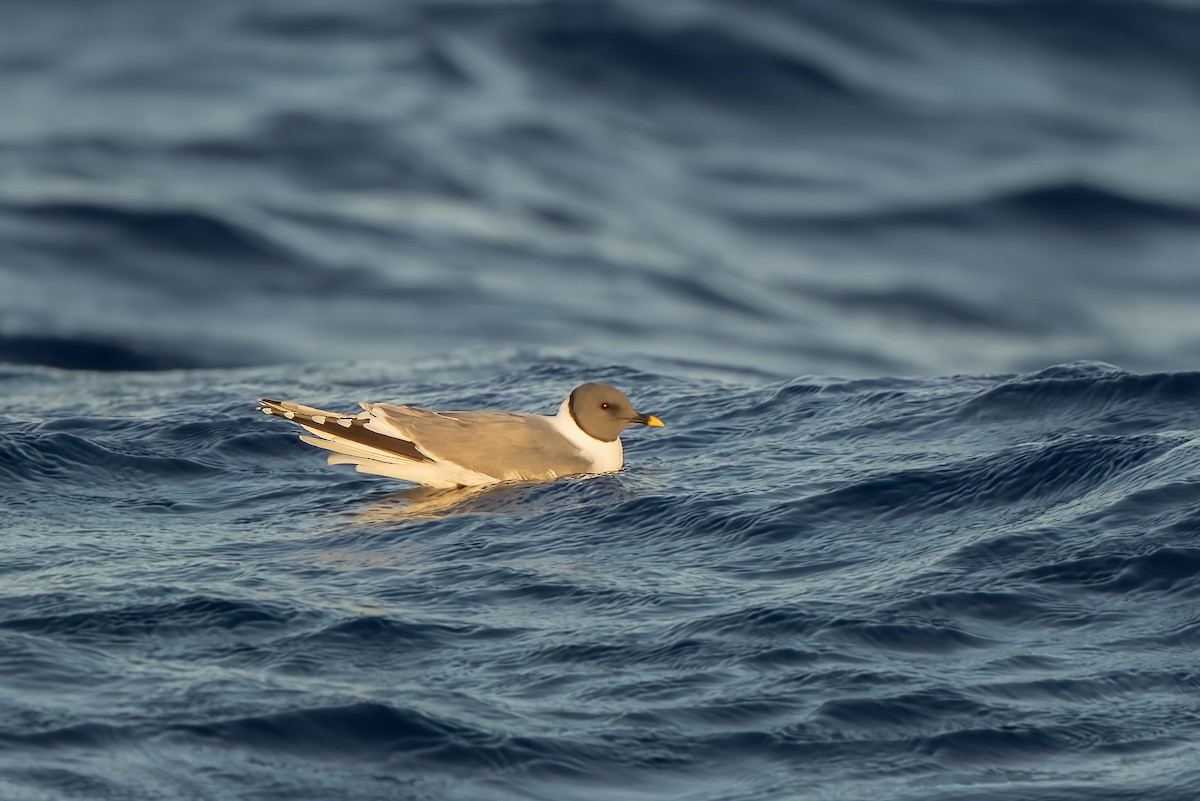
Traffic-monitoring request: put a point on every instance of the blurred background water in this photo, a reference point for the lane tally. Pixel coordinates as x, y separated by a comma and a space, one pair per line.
794, 188
913, 282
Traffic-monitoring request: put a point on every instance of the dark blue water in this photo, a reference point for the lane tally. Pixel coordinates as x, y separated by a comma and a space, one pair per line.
913, 284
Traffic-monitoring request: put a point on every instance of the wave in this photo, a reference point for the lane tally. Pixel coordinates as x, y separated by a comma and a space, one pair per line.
181, 618
335, 153
1067, 204
92, 461
390, 634
605, 47
191, 232
1150, 31
83, 735
1165, 569
1022, 476
1096, 396
85, 353
355, 730
1086, 205
906, 713
369, 731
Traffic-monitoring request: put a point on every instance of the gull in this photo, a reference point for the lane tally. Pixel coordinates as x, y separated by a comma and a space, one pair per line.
470, 449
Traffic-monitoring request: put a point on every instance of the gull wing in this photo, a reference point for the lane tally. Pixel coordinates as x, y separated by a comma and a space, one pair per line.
345, 434
507, 446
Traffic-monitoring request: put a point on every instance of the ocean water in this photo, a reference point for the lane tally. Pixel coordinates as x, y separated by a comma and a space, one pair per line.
914, 285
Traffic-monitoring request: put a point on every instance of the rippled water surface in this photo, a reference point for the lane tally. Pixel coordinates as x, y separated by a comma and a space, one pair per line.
945, 588
826, 578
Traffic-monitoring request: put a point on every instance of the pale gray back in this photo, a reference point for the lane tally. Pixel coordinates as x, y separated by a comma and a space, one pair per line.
500, 444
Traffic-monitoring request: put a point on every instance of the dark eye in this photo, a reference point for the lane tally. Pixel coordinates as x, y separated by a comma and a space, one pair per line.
604, 406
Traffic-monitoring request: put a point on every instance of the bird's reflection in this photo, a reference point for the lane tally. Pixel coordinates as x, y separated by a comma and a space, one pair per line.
512, 498
430, 503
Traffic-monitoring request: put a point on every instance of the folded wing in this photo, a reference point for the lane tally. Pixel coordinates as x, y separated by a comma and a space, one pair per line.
345, 434
438, 449
507, 446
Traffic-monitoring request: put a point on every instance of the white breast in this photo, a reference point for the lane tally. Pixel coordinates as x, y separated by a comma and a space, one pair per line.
607, 457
